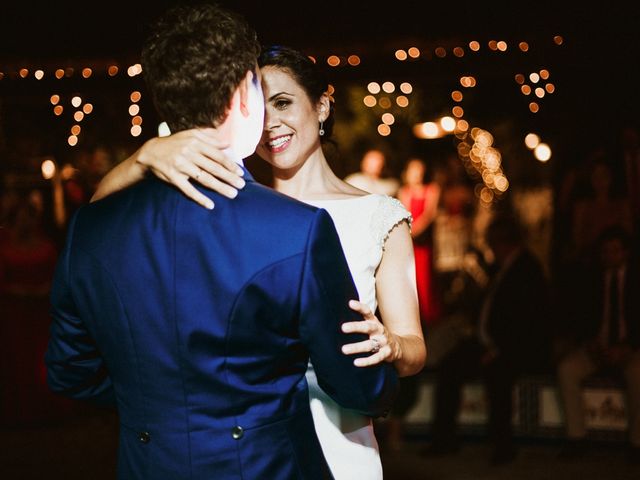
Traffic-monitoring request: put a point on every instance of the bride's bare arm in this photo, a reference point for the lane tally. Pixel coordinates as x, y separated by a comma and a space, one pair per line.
190, 154
400, 339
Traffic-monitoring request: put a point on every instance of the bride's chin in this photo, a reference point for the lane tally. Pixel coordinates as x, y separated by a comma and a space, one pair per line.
264, 154
268, 159
276, 164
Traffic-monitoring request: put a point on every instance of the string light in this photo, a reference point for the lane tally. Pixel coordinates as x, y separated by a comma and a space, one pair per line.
385, 102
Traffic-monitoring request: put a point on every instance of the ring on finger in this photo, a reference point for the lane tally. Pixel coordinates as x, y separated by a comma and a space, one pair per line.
376, 345
197, 177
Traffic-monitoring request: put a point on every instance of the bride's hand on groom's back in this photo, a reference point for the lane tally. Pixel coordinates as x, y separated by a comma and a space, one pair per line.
193, 155
381, 343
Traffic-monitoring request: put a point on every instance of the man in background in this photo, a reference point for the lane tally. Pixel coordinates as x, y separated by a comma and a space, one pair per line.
511, 337
604, 337
371, 177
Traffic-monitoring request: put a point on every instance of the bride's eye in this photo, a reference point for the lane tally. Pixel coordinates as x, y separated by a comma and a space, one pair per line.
281, 103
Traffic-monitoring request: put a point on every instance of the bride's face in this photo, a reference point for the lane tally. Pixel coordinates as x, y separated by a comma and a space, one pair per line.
290, 134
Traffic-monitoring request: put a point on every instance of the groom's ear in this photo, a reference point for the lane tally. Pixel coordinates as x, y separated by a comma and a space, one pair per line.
243, 90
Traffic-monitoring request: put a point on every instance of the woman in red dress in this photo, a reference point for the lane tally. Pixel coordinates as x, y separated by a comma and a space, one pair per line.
421, 199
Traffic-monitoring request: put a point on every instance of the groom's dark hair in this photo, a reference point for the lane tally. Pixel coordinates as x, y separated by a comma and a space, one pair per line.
193, 60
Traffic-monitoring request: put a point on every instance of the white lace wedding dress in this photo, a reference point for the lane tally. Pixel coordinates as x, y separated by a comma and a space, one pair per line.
363, 225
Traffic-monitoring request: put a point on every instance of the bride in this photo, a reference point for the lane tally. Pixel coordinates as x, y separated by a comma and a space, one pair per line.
374, 231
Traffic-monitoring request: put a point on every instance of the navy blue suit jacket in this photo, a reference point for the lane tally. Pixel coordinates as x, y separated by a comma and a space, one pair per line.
199, 326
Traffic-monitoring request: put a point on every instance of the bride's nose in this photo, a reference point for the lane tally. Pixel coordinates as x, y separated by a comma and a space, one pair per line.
271, 119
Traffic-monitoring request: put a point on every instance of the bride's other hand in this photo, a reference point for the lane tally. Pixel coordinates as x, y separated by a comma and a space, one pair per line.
382, 344
193, 154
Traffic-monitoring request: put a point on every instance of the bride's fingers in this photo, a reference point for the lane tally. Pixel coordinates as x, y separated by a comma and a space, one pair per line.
210, 136
214, 184
221, 172
355, 327
373, 344
370, 327
358, 347
185, 186
362, 308
216, 156
374, 359
216, 162
382, 355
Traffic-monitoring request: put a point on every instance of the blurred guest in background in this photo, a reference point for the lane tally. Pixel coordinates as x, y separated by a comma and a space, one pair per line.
602, 207
453, 225
371, 177
604, 337
631, 158
8, 204
630, 147
459, 273
510, 339
421, 199
457, 189
27, 261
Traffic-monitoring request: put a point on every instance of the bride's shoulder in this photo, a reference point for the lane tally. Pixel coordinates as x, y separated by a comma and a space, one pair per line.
349, 190
389, 213
389, 204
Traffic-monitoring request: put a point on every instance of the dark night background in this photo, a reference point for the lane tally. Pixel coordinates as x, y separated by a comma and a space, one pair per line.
595, 70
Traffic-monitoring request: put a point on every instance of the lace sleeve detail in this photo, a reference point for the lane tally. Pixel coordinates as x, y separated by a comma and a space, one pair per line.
390, 213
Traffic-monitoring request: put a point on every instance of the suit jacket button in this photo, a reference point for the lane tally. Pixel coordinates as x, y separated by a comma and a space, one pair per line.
237, 433
144, 437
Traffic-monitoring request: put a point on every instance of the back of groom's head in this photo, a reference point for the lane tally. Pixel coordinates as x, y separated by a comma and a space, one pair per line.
194, 59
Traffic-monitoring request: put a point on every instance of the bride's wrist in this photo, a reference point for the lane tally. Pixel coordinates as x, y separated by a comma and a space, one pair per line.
142, 158
396, 349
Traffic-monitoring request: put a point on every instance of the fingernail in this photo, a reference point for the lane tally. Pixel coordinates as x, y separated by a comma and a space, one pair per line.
209, 205
240, 172
240, 183
233, 193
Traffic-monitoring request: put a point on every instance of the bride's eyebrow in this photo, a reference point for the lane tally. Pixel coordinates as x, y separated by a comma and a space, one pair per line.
275, 95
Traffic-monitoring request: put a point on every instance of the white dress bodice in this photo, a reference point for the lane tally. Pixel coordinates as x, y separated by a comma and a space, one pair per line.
363, 225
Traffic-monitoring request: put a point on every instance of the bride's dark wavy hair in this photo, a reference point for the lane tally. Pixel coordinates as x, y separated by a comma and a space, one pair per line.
305, 72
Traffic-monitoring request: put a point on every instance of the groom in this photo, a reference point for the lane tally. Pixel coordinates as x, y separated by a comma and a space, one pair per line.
199, 324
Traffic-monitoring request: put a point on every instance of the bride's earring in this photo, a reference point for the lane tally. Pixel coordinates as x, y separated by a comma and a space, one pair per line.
321, 131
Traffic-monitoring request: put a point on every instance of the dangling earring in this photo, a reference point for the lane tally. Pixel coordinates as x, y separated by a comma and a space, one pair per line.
321, 131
